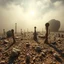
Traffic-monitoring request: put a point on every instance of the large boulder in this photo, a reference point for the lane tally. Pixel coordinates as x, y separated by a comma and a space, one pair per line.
9, 33
54, 25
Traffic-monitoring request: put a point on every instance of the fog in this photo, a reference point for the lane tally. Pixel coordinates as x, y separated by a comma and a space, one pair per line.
28, 14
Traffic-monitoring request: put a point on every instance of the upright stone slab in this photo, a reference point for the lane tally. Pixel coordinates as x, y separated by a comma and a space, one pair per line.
13, 36
35, 34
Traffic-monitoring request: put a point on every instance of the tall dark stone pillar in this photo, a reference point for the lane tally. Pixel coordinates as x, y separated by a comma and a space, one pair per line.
13, 36
47, 26
35, 34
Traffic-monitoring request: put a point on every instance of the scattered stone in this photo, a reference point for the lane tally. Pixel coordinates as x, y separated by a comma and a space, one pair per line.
59, 41
27, 44
57, 57
14, 55
38, 49
6, 41
2, 62
16, 37
53, 62
43, 54
54, 43
45, 51
34, 59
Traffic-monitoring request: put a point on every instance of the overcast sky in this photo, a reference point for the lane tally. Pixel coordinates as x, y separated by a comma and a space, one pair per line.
30, 13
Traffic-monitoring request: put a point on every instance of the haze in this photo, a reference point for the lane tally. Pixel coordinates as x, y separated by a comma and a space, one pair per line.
30, 13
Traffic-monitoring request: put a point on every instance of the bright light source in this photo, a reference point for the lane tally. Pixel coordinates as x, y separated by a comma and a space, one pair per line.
32, 13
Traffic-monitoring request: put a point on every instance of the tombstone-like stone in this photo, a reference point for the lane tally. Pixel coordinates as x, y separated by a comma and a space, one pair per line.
13, 36
35, 34
47, 26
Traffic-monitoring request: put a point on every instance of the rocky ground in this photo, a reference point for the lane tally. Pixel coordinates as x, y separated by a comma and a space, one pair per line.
37, 51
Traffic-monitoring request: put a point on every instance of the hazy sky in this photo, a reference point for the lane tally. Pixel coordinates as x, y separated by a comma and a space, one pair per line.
30, 13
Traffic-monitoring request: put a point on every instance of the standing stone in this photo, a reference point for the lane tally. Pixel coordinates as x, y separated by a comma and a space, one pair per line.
35, 34
13, 36
47, 26
15, 28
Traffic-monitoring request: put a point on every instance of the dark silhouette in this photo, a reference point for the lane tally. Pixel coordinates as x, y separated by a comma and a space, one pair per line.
47, 25
35, 34
13, 57
54, 25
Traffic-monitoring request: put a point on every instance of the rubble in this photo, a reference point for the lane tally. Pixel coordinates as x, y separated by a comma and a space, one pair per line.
28, 51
